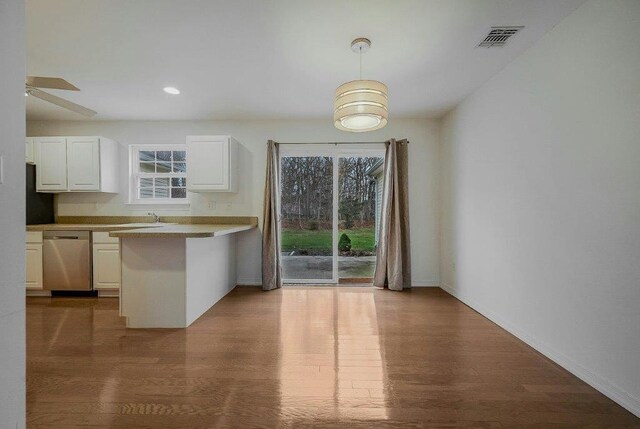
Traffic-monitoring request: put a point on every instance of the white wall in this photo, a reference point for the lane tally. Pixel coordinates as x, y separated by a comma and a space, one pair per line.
253, 135
541, 197
12, 215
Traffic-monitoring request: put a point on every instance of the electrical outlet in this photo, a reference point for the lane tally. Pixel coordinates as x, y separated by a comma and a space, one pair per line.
453, 266
228, 206
212, 205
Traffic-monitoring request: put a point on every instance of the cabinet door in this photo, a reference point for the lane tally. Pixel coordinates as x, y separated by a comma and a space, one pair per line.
208, 163
51, 158
29, 151
106, 266
83, 163
34, 266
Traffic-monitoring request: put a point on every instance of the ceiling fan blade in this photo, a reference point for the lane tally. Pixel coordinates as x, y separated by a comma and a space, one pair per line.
50, 82
61, 102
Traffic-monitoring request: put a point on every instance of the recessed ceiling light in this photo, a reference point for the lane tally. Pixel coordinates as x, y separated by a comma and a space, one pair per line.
171, 90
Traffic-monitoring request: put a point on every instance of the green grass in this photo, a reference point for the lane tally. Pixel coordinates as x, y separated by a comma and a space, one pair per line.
361, 239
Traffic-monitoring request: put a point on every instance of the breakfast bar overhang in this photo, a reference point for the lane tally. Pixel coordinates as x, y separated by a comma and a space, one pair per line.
171, 275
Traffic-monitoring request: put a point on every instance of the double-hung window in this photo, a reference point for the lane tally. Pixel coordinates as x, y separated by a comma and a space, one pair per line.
158, 174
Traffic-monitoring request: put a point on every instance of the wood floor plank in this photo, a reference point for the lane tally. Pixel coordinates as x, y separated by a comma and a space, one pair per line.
299, 357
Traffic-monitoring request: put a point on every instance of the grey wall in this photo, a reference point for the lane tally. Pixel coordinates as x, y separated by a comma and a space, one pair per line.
12, 214
541, 197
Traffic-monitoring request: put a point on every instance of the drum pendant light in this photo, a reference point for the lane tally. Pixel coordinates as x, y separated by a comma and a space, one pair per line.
361, 105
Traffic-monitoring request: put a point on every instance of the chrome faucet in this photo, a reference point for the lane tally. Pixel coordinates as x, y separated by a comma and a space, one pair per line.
156, 218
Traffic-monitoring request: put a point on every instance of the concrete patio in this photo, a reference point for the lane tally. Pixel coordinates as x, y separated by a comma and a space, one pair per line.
320, 267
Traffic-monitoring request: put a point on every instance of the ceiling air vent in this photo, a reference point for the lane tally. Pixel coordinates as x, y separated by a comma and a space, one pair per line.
498, 36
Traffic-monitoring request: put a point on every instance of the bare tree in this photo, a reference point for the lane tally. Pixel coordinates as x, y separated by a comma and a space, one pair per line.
307, 190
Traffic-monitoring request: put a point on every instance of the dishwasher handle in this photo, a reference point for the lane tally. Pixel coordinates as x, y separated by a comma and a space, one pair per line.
66, 235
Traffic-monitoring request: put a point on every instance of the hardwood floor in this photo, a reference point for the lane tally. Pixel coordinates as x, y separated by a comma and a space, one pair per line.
299, 357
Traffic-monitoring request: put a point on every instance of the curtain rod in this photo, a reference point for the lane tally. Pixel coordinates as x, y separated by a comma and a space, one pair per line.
334, 143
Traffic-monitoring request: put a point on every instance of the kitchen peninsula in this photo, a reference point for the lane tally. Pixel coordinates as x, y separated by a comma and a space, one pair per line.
172, 274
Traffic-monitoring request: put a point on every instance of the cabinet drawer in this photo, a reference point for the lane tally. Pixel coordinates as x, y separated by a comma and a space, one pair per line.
103, 237
34, 237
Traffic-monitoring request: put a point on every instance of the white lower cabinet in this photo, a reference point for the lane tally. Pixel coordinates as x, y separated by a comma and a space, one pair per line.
34, 266
106, 261
34, 260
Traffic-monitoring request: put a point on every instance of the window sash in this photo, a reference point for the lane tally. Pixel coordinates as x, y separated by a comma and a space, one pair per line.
152, 175
136, 175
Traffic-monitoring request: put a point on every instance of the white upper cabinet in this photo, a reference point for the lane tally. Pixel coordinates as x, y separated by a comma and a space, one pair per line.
76, 164
51, 161
211, 164
29, 155
83, 163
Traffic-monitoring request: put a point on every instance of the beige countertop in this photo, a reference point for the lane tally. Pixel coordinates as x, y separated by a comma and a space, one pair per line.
182, 231
101, 227
145, 220
138, 226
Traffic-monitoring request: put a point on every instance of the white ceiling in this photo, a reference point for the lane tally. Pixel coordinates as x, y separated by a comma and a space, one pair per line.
253, 59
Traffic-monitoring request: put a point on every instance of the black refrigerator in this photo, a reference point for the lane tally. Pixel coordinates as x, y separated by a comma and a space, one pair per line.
39, 205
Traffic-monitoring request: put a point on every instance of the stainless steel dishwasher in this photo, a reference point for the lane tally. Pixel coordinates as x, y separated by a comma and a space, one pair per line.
66, 260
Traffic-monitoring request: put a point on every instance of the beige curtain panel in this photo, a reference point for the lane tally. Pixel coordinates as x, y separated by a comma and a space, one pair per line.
271, 268
393, 255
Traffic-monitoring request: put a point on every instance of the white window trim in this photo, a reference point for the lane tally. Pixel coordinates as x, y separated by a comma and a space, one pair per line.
134, 174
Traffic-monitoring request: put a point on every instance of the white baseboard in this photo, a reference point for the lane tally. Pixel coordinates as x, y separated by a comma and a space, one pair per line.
33, 292
599, 383
425, 283
415, 283
249, 282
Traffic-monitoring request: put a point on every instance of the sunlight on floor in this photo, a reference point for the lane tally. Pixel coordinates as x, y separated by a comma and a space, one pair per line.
335, 361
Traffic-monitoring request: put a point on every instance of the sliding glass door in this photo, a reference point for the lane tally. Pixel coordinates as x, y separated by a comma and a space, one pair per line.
328, 208
359, 201
306, 218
